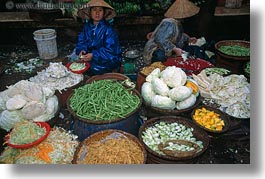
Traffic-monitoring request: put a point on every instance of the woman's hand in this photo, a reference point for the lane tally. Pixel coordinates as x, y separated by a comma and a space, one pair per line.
85, 57
178, 51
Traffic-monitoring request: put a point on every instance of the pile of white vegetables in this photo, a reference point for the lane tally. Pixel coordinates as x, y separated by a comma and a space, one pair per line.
26, 100
167, 90
231, 92
57, 77
162, 132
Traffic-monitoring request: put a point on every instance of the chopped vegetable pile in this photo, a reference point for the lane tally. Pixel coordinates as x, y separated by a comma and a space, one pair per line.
162, 132
56, 76
178, 147
57, 148
148, 69
103, 100
25, 66
208, 119
235, 50
26, 132
77, 66
111, 150
220, 71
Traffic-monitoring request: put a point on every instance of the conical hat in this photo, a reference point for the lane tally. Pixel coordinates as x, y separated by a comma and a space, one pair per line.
84, 11
181, 9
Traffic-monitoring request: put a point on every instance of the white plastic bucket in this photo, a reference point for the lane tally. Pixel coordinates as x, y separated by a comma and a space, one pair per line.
46, 43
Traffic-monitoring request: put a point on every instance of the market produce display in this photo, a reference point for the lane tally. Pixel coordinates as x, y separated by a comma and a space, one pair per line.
77, 66
115, 148
103, 100
235, 50
25, 132
27, 66
57, 148
166, 89
208, 119
232, 92
162, 132
148, 69
57, 77
220, 71
26, 100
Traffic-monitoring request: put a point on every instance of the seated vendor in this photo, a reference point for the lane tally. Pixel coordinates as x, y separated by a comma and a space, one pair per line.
169, 39
98, 43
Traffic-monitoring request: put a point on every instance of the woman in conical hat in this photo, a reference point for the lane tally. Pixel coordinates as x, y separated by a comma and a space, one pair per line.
98, 42
84, 11
168, 37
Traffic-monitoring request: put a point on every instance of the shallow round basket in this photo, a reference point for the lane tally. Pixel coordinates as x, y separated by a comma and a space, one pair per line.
223, 116
98, 136
154, 157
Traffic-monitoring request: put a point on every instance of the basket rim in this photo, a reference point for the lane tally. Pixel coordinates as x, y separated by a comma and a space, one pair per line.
223, 116
171, 119
108, 132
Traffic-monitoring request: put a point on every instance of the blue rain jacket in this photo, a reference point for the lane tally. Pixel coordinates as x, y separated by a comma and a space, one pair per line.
102, 41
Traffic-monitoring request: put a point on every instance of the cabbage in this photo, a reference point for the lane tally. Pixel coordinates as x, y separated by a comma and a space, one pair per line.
33, 109
147, 92
51, 109
174, 76
154, 74
180, 93
160, 87
3, 99
48, 92
8, 119
16, 102
162, 102
190, 101
52, 105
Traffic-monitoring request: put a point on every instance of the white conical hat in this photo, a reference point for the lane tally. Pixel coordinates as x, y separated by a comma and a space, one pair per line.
181, 9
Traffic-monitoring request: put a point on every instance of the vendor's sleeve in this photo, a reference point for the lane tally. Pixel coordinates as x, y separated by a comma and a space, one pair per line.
81, 43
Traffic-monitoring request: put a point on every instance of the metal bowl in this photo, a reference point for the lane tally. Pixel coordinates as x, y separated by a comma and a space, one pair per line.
132, 54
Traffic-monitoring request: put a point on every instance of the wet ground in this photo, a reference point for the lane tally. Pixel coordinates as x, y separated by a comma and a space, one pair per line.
233, 147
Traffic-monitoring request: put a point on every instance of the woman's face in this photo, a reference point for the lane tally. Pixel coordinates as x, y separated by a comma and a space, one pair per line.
97, 13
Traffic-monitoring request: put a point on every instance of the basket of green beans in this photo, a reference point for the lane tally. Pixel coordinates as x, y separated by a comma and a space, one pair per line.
104, 101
